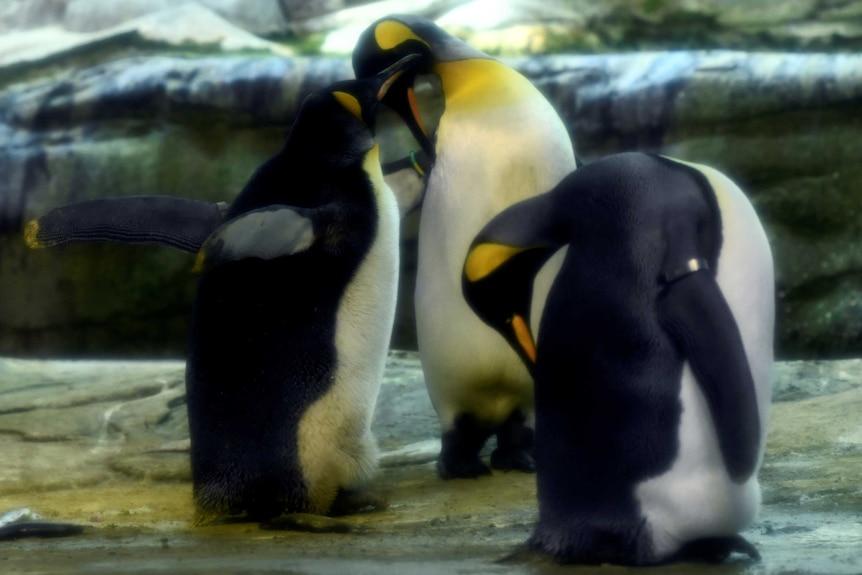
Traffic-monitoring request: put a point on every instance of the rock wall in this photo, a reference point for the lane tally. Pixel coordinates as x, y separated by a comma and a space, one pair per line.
187, 98
499, 26
785, 126
175, 126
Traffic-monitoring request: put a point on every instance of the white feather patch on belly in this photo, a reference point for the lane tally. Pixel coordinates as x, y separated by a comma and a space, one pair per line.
336, 447
696, 497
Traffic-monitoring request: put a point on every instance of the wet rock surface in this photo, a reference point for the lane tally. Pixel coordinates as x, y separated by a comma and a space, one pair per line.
103, 444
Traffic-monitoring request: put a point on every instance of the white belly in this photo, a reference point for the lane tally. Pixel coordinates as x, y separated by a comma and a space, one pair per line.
487, 161
336, 447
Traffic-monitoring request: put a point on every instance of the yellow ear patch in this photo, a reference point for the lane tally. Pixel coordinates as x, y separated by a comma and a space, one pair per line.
390, 34
350, 103
485, 258
414, 109
31, 233
525, 339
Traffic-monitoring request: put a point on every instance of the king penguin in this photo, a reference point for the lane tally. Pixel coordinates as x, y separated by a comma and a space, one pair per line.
498, 141
652, 360
292, 319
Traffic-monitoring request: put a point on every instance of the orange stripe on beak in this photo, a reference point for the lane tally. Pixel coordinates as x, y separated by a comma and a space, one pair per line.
522, 333
414, 109
388, 84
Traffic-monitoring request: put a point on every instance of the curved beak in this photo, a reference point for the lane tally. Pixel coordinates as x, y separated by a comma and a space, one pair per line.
398, 94
391, 74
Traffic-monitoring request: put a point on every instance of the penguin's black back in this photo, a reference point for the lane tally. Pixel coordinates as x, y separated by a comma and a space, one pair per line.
262, 346
607, 375
262, 350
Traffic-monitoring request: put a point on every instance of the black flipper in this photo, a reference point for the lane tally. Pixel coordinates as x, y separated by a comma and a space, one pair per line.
693, 311
265, 233
178, 223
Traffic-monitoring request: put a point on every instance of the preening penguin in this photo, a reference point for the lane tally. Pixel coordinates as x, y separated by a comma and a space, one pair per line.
292, 319
652, 360
498, 141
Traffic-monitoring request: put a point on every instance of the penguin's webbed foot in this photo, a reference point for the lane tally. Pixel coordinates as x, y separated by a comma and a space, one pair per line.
520, 459
452, 468
514, 445
459, 456
716, 549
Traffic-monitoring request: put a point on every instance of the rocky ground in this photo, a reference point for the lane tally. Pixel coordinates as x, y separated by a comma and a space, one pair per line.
104, 445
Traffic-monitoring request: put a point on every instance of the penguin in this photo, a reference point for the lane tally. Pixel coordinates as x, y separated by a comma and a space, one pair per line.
292, 318
652, 360
293, 311
498, 141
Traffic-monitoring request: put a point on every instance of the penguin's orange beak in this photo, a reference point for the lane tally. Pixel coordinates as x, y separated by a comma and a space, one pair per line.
393, 72
524, 337
414, 110
402, 99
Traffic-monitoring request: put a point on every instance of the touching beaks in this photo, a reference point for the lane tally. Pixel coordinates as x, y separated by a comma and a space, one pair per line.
403, 101
393, 72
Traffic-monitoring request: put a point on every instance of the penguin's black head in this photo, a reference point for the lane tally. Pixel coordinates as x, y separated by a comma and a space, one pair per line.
391, 38
394, 37
503, 261
337, 123
497, 283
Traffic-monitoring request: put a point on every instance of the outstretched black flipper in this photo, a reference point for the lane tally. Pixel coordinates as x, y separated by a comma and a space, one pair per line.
169, 221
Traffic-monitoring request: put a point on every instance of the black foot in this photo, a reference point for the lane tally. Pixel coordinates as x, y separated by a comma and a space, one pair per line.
518, 460
514, 446
461, 469
459, 456
715, 549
